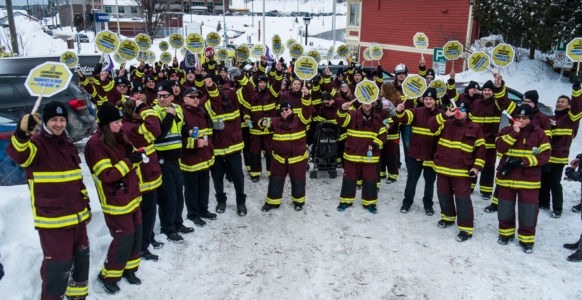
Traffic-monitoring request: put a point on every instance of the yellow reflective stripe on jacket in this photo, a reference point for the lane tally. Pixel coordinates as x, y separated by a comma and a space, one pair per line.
451, 172
456, 145
225, 117
558, 160
500, 93
409, 114
507, 232
62, 176
241, 99
265, 131
213, 93
21, 147
109, 86
424, 131
288, 137
231, 149
484, 119
479, 162
574, 117
440, 119
121, 210
55, 222
393, 136
561, 131
576, 93
197, 167
270, 106
291, 160
122, 167
149, 185
526, 238
508, 139
102, 165
345, 115
132, 264
360, 158
518, 184
480, 142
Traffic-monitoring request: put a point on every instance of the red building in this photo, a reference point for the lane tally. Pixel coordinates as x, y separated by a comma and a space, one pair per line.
392, 24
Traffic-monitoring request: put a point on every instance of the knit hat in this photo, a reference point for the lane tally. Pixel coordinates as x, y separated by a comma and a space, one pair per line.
262, 77
286, 104
343, 82
472, 85
532, 95
108, 113
430, 72
525, 109
340, 72
166, 85
192, 90
489, 85
172, 72
430, 92
326, 96
54, 109
465, 105
148, 78
121, 80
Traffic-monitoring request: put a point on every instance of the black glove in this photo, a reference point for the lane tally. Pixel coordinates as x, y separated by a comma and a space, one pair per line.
135, 157
97, 69
516, 163
572, 174
579, 156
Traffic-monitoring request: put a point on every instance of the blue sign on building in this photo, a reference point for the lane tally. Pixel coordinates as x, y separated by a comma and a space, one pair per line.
101, 17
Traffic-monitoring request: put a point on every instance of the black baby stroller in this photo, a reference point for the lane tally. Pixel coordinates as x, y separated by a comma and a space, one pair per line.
324, 149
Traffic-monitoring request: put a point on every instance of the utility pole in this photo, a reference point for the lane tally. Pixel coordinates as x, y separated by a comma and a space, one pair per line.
72, 15
333, 23
264, 32
13, 37
117, 11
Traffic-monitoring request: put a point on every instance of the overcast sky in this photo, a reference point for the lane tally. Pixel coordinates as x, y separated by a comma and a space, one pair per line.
23, 2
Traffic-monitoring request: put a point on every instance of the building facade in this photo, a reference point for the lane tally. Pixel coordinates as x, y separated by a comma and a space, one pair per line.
392, 25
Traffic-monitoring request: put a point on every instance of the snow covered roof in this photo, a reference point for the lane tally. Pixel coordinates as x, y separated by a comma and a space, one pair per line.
119, 3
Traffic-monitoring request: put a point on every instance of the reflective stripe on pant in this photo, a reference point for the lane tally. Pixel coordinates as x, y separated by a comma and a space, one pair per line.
389, 159
260, 143
125, 250
527, 208
233, 163
65, 268
462, 208
170, 197
488, 173
196, 190
296, 173
148, 213
414, 169
368, 173
551, 182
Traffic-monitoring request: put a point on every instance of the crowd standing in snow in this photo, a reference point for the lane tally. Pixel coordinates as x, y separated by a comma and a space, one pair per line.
164, 130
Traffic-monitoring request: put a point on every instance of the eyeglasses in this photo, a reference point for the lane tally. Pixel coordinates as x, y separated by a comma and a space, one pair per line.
164, 96
284, 109
192, 96
522, 117
400, 73
463, 109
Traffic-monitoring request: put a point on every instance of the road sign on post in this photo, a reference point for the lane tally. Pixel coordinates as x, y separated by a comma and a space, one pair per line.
101, 17
439, 61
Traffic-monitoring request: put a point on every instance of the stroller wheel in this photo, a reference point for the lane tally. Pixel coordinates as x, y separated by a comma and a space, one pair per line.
333, 174
313, 174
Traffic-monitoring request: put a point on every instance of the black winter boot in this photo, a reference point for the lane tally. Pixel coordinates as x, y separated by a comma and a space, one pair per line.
131, 278
576, 256
109, 286
573, 246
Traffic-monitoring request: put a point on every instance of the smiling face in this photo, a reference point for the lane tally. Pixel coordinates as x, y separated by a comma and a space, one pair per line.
286, 112
165, 98
429, 102
562, 103
296, 86
151, 84
192, 99
115, 126
56, 125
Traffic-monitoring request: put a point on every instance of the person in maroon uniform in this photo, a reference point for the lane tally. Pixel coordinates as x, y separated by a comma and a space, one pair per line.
525, 148
113, 161
60, 203
420, 154
460, 155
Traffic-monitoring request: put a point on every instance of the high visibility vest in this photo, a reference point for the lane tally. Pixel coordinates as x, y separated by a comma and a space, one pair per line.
173, 140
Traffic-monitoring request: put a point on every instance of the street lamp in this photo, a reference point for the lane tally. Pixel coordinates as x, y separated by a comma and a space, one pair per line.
306, 20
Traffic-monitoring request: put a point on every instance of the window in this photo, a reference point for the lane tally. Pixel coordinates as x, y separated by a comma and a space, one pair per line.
197, 3
217, 3
354, 14
134, 10
121, 9
209, 7
107, 9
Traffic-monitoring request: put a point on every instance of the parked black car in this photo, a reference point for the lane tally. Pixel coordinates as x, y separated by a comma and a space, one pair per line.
15, 101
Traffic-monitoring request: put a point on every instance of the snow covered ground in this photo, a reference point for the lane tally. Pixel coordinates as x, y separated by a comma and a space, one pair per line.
320, 253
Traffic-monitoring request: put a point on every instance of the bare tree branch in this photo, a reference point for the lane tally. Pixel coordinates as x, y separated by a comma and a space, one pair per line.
153, 14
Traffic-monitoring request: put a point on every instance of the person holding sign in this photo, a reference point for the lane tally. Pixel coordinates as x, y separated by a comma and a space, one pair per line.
422, 71
525, 148
289, 152
460, 155
471, 94
366, 135
113, 162
422, 146
487, 113
61, 208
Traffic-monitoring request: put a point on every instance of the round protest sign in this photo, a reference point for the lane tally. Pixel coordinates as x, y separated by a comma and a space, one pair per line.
176, 40
143, 55
367, 55
290, 42
277, 49
222, 54
106, 41
296, 50
376, 52
305, 68
420, 41
213, 39
151, 56
117, 58
329, 54
503, 55
164, 46
48, 79
70, 59
414, 86
574, 49
128, 49
195, 43
143, 41
166, 57
315, 55
478, 61
208, 52
258, 50
366, 91
343, 51
242, 53
439, 86
452, 50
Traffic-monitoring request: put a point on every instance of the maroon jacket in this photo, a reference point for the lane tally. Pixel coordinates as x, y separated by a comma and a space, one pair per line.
51, 164
142, 134
362, 131
114, 174
194, 158
460, 147
566, 127
422, 141
260, 104
519, 145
